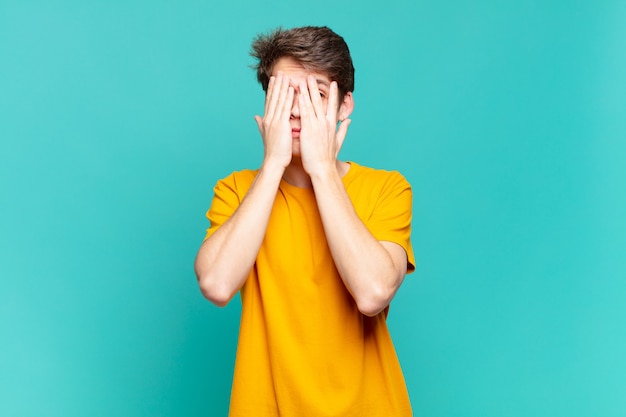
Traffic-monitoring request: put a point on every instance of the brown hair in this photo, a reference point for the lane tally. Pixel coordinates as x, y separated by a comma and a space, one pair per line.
316, 48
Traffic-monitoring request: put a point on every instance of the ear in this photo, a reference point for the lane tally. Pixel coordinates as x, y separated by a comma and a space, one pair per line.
346, 107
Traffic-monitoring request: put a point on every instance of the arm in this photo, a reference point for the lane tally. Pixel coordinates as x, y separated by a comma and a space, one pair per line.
226, 257
371, 270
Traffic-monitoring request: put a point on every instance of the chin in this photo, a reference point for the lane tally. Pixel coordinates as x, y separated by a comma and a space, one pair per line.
295, 150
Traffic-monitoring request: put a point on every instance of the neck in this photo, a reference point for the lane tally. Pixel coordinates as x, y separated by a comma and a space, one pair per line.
297, 176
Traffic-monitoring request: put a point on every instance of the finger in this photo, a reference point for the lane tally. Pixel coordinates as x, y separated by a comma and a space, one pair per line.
283, 108
341, 133
288, 102
268, 93
333, 100
304, 103
274, 96
316, 99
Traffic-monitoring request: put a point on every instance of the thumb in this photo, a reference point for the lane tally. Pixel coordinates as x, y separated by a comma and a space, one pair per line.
341, 133
259, 123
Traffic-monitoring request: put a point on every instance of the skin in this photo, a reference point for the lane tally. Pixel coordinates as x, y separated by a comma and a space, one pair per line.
301, 145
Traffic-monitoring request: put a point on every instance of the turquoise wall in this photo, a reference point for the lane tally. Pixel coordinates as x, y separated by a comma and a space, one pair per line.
509, 119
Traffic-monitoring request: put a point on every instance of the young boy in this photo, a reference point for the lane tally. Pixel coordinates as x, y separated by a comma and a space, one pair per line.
317, 247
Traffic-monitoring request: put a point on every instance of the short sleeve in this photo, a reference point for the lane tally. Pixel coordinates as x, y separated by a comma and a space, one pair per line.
390, 219
227, 196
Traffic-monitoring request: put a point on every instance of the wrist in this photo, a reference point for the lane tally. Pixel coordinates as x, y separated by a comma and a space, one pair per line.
325, 174
272, 169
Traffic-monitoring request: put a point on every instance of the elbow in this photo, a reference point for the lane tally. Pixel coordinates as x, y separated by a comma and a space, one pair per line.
371, 309
216, 284
219, 299
212, 288
375, 301
376, 297
215, 293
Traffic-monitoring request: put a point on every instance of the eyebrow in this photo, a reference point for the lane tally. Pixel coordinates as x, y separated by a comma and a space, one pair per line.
322, 82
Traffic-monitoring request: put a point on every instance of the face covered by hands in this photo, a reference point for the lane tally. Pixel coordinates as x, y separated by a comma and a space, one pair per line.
301, 114
320, 140
274, 126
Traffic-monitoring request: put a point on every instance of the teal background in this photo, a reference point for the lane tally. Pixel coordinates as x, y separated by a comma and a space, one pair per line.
508, 118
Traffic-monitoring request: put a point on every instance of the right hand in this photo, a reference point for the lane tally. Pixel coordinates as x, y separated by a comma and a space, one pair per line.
274, 125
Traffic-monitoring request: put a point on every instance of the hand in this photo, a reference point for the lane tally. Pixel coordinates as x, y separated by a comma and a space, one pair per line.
274, 125
320, 140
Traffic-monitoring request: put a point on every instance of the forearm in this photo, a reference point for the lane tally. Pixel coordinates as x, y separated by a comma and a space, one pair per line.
371, 270
227, 256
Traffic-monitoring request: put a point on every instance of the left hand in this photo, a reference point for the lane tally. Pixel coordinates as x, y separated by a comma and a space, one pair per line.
320, 140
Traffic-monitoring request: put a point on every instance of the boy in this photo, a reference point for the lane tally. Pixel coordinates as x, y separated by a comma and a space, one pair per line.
317, 247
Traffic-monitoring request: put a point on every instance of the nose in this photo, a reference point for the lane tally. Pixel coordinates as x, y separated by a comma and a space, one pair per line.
295, 109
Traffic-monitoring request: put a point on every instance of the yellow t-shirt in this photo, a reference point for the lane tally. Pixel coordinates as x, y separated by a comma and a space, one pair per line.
304, 348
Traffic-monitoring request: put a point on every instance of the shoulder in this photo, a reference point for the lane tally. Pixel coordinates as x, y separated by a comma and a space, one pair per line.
374, 178
239, 178
238, 181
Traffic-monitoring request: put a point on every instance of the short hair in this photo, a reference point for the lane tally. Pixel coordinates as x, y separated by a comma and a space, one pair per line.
316, 48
